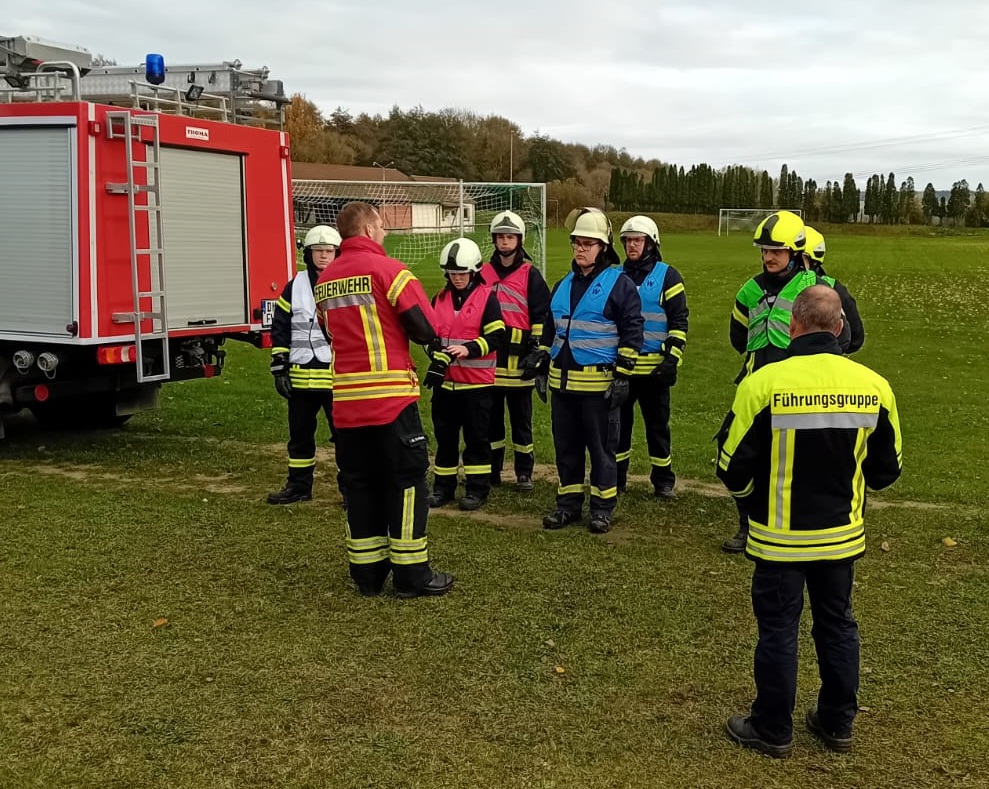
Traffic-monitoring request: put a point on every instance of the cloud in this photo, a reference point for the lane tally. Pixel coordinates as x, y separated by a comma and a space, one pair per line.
721, 82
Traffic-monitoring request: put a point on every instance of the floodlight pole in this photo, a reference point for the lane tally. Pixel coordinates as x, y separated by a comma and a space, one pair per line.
383, 167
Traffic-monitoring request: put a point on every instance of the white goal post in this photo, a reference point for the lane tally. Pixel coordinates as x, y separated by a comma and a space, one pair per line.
746, 219
422, 216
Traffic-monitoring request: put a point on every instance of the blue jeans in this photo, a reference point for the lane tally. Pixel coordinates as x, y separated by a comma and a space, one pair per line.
777, 602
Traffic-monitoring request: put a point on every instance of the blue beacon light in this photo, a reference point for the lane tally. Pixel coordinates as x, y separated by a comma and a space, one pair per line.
154, 68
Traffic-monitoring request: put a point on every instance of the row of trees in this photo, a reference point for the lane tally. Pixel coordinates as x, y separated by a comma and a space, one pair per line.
461, 144
703, 190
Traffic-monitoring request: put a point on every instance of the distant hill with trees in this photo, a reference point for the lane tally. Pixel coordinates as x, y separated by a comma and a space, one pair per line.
458, 143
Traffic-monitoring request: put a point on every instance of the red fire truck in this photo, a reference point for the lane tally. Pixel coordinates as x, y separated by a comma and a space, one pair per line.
134, 240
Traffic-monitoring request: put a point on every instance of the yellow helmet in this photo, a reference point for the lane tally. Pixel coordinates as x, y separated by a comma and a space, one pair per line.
782, 230
815, 248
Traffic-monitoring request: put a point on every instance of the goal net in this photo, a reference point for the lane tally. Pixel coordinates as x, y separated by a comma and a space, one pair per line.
745, 219
422, 216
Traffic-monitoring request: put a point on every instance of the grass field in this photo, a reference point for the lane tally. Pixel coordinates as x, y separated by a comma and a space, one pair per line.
163, 627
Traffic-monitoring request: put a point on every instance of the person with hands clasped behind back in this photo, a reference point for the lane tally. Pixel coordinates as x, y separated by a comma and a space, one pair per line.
470, 331
302, 364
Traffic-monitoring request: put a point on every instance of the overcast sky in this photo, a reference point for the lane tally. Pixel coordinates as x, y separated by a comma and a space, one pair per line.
866, 86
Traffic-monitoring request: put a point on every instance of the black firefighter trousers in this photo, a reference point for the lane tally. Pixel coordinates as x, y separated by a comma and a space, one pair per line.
518, 399
383, 470
303, 413
453, 411
585, 424
777, 602
653, 398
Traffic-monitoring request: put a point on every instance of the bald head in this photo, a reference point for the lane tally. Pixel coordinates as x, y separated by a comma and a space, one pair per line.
816, 309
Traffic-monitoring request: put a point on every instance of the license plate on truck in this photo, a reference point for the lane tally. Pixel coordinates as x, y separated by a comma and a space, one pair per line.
267, 312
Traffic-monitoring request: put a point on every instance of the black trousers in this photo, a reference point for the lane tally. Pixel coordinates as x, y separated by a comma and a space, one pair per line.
303, 412
653, 398
467, 411
518, 399
383, 469
582, 425
777, 601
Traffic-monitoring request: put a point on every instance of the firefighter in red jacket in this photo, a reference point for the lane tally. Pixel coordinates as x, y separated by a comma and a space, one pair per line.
462, 375
524, 298
302, 364
371, 306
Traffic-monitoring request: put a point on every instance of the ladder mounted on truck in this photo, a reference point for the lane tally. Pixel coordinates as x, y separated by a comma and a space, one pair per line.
128, 127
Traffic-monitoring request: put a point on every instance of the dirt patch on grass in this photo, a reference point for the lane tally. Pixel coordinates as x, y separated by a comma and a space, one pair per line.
528, 522
218, 484
715, 490
228, 484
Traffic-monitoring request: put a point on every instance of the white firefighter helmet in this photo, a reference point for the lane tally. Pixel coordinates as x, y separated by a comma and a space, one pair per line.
322, 236
508, 222
590, 223
460, 256
641, 226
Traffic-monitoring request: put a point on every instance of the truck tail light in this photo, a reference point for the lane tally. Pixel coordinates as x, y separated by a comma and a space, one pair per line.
116, 354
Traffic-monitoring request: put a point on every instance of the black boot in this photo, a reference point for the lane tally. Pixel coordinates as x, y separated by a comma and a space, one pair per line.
440, 498
473, 501
437, 584
737, 543
290, 494
370, 578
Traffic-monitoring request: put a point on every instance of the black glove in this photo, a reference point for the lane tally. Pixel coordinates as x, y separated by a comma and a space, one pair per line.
279, 369
534, 363
542, 382
617, 392
436, 374
666, 372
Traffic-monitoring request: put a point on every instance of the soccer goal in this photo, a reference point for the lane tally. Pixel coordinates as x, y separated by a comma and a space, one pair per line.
422, 216
745, 219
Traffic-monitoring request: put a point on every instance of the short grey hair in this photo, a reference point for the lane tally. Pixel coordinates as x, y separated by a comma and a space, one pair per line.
818, 308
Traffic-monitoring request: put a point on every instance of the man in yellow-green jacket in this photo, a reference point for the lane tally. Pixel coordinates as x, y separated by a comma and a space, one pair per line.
804, 439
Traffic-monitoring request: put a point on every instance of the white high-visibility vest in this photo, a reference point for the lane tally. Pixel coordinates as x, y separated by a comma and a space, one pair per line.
308, 340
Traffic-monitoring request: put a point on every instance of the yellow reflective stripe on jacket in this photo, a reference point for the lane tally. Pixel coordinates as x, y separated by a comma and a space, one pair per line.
402, 279
834, 544
580, 380
373, 393
676, 290
310, 377
645, 363
377, 353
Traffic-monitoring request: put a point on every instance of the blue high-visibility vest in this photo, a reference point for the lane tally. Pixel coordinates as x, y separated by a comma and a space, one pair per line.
656, 328
593, 338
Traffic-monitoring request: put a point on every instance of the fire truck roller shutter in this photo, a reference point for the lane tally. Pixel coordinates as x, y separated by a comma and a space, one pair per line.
202, 205
38, 215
